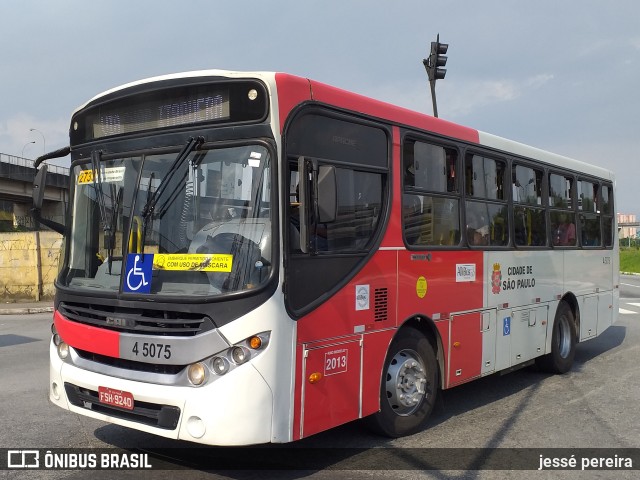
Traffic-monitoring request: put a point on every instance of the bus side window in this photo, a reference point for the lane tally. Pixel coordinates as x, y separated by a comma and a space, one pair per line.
431, 202
487, 214
528, 212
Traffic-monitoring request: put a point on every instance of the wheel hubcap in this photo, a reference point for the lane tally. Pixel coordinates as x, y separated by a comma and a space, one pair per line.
406, 382
564, 337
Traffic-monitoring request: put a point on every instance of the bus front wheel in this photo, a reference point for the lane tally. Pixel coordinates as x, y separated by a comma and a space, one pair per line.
408, 387
563, 342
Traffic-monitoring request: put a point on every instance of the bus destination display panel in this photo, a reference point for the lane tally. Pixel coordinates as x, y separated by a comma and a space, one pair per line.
228, 102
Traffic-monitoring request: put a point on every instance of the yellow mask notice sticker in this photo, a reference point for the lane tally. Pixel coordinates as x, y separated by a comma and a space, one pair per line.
196, 262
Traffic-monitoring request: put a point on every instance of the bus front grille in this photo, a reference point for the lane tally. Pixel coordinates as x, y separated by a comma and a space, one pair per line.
142, 322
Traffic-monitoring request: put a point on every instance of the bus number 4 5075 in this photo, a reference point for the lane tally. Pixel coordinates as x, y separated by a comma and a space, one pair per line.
152, 350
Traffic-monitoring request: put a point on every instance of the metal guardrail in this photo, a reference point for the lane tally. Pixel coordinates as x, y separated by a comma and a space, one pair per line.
25, 162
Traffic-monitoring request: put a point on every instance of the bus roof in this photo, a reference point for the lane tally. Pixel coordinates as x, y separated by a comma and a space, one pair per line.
527, 151
317, 91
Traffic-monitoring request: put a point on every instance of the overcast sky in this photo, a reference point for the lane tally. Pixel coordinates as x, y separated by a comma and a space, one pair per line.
559, 75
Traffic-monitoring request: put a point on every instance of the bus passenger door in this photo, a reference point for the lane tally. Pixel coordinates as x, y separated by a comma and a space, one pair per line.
330, 385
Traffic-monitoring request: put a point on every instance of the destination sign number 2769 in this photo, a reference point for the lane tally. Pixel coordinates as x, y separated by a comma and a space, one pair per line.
152, 350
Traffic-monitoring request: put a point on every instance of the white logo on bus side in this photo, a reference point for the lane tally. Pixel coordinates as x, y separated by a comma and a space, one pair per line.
362, 297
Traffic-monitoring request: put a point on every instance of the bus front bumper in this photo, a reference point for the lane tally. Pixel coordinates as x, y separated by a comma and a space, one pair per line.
235, 409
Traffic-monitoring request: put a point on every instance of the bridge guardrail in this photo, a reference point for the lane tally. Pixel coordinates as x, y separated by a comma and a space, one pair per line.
25, 162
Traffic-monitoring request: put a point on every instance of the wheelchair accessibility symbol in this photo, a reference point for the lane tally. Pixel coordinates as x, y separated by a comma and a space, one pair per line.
506, 326
138, 268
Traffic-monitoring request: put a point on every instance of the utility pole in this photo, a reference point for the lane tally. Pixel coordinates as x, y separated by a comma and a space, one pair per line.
434, 65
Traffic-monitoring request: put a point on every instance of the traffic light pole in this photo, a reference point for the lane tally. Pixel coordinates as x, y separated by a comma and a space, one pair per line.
433, 66
433, 97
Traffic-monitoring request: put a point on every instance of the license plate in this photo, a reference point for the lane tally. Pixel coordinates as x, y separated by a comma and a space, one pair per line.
115, 398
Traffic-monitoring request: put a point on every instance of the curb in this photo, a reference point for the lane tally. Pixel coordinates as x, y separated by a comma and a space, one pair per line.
24, 311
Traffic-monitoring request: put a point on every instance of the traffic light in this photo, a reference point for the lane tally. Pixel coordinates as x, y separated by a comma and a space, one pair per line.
434, 65
436, 60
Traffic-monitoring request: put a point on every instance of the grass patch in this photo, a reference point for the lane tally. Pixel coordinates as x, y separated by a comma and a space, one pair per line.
630, 260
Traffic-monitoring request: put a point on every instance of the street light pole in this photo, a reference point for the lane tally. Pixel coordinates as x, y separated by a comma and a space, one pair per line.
25, 146
37, 230
44, 142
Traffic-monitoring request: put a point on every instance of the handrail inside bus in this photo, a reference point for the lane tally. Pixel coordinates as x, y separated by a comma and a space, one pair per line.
136, 222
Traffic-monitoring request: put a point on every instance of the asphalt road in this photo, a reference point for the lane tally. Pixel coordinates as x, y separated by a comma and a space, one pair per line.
595, 405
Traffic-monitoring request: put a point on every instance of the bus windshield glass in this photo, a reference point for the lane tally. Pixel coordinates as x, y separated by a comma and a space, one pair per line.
159, 224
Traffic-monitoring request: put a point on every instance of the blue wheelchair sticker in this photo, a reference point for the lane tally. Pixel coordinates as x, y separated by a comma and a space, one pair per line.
138, 273
506, 326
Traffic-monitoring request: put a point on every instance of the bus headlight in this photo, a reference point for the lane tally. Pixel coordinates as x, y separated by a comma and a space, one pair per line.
196, 373
63, 350
239, 355
55, 337
223, 362
220, 365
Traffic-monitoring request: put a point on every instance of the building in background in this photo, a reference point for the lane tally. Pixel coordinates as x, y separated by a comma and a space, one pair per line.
627, 230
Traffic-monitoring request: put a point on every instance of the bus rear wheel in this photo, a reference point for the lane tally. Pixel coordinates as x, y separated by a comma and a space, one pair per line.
408, 387
563, 342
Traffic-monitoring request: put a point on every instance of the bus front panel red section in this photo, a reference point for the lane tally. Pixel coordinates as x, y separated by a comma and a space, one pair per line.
86, 337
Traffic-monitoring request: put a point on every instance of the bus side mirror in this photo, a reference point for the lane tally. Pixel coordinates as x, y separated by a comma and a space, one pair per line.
327, 194
303, 194
38, 197
318, 197
39, 186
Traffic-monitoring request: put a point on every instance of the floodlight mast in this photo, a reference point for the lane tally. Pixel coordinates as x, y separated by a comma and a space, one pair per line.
434, 65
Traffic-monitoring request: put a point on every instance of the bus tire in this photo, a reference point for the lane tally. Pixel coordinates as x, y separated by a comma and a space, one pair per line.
563, 342
408, 386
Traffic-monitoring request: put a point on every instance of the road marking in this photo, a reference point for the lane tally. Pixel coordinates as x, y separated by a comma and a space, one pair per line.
629, 285
622, 311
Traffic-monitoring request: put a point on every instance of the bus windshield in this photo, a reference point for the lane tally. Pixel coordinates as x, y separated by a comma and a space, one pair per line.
154, 223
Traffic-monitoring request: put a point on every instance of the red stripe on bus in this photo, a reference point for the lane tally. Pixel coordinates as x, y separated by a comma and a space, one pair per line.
390, 113
292, 91
85, 337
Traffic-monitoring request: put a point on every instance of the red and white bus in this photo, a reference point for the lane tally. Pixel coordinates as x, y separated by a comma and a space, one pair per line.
257, 257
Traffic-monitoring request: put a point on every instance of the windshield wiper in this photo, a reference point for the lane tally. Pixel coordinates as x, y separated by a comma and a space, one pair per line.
193, 164
109, 226
152, 199
97, 186
188, 148
114, 223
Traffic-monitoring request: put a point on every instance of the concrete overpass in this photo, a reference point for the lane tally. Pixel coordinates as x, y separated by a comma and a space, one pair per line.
16, 185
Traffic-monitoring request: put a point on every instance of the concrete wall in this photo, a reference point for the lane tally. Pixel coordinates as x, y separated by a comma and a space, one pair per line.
50, 210
22, 276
